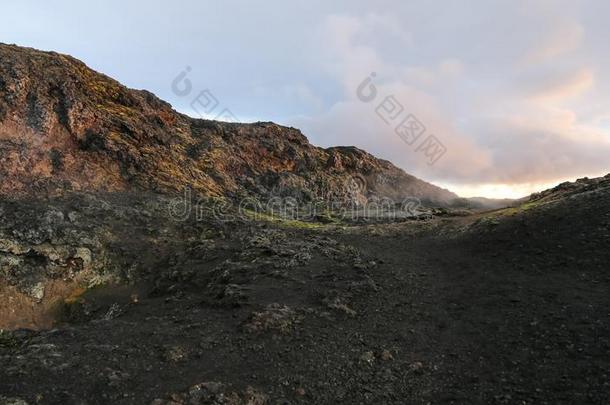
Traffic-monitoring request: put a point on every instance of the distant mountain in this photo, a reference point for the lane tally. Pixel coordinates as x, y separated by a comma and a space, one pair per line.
66, 127
574, 189
484, 203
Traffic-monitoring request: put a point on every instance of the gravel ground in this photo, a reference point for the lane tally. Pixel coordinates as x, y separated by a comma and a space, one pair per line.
510, 307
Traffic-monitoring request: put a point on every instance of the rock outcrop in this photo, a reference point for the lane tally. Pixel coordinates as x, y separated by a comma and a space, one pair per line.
66, 127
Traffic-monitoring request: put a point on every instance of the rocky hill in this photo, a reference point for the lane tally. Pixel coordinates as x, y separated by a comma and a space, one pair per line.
567, 190
66, 127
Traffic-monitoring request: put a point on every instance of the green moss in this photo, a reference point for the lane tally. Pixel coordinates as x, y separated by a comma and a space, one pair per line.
288, 223
301, 224
510, 211
530, 205
327, 218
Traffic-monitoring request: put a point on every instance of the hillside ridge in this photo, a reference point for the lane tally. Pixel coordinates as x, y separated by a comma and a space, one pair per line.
64, 126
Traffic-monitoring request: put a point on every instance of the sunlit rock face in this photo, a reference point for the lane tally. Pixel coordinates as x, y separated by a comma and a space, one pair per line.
66, 127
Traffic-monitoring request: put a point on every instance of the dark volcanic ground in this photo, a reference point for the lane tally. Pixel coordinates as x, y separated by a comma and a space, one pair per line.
505, 307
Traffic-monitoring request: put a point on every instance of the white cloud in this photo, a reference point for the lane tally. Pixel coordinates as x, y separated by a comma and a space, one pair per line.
557, 87
517, 129
562, 35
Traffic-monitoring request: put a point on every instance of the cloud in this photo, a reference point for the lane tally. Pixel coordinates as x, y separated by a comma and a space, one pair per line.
353, 122
558, 87
516, 128
543, 154
562, 35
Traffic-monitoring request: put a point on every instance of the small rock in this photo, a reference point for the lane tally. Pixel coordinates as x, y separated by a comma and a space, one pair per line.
338, 304
254, 397
368, 357
386, 355
114, 311
275, 317
37, 291
417, 367
175, 354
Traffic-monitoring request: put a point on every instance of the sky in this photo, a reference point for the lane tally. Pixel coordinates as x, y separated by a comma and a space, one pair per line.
486, 98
